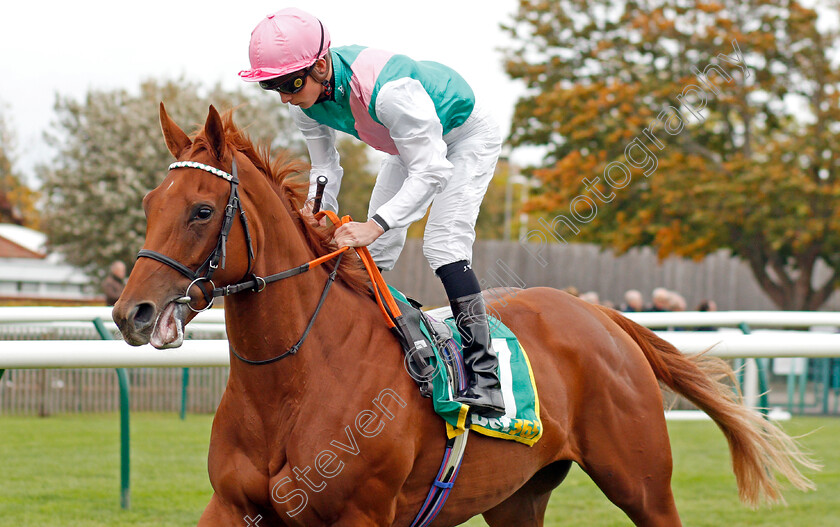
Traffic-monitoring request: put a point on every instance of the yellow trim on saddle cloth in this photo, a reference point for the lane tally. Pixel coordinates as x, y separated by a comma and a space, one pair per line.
501, 435
536, 394
452, 431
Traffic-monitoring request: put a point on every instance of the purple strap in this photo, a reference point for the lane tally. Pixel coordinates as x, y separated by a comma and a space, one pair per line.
438, 493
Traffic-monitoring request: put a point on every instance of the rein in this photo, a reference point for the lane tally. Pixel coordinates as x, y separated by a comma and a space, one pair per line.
294, 349
257, 284
454, 452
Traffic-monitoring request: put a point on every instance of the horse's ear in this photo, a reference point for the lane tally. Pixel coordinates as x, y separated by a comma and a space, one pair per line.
176, 140
215, 132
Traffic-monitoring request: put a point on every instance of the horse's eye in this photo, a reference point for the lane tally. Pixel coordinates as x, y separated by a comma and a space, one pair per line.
203, 213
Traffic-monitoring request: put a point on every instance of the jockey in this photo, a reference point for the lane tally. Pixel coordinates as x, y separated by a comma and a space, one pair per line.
442, 148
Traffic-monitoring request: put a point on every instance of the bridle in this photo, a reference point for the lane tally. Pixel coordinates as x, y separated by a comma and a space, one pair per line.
217, 256
216, 259
393, 317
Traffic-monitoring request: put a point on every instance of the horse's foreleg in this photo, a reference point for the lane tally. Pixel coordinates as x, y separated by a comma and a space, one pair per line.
220, 514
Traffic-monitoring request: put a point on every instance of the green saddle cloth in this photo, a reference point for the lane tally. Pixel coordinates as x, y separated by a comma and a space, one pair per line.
521, 421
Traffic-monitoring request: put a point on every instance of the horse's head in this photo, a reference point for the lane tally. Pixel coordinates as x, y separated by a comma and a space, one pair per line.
189, 216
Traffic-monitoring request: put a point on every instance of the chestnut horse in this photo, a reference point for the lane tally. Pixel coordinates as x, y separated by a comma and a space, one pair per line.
338, 434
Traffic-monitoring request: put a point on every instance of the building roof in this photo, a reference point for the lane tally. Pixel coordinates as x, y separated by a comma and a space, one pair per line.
26, 269
21, 242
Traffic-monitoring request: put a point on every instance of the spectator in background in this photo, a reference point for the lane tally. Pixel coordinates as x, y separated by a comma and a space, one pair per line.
114, 283
591, 297
676, 302
633, 301
661, 300
706, 305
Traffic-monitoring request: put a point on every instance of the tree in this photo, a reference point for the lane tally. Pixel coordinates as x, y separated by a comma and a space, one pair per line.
501, 203
358, 180
111, 153
17, 201
687, 126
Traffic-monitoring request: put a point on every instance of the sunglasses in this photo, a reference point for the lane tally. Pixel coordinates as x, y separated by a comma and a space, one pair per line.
288, 84
293, 82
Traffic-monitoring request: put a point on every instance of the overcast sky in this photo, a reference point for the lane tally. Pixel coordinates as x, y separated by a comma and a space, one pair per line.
49, 47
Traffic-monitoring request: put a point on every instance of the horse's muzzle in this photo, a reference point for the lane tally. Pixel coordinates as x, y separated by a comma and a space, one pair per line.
135, 321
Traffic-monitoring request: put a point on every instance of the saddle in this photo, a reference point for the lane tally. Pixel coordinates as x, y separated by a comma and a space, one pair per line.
419, 345
434, 361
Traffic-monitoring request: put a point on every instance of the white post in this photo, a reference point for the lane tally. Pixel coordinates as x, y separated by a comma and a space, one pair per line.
750, 383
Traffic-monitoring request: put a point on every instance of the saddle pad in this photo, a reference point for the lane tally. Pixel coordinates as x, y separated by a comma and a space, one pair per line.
521, 421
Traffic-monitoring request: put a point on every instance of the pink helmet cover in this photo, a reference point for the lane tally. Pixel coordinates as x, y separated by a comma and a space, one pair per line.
285, 42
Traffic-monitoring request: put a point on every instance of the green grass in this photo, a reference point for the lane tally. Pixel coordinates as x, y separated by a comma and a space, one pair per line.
64, 471
704, 486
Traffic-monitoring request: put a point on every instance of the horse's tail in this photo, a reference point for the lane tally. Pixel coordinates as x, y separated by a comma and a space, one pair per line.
759, 448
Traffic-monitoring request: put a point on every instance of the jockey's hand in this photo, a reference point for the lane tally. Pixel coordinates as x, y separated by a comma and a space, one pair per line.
308, 217
355, 234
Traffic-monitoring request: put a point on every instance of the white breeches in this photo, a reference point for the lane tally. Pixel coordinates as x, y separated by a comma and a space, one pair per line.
473, 149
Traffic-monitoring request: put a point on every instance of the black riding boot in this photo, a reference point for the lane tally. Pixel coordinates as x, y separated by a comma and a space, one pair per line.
484, 392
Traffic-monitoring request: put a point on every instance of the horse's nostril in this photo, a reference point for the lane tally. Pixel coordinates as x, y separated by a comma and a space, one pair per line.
143, 315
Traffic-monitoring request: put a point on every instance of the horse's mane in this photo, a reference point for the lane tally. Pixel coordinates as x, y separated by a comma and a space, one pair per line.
290, 182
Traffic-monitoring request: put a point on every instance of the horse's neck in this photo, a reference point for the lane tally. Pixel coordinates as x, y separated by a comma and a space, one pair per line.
266, 324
